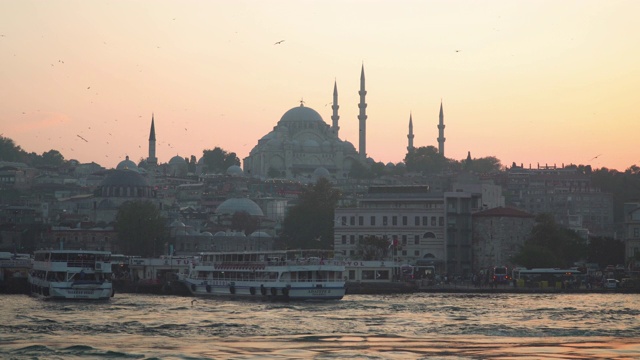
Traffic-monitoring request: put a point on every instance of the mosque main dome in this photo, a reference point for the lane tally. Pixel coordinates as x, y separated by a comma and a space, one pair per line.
300, 114
300, 143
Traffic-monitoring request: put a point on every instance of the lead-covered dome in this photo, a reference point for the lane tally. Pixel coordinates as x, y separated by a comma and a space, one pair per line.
300, 114
234, 205
127, 164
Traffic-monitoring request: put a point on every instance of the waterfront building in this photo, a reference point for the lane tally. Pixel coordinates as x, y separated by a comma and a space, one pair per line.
498, 235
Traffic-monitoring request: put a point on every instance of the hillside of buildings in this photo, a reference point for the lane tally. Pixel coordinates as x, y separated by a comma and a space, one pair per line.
462, 215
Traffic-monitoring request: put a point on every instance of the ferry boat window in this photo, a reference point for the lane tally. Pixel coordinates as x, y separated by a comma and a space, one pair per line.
352, 274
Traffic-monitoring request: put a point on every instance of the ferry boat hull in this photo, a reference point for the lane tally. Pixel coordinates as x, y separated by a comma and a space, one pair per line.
266, 291
265, 276
71, 275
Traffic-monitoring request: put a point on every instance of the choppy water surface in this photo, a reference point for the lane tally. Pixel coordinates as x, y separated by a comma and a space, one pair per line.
413, 326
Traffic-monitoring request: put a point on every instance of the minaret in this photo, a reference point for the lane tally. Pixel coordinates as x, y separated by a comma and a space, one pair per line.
410, 136
362, 117
152, 143
335, 117
441, 137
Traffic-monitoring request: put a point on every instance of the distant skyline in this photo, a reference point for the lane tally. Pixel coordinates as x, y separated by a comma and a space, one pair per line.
530, 82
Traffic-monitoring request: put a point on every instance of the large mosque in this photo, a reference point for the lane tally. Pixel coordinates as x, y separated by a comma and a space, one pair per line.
301, 145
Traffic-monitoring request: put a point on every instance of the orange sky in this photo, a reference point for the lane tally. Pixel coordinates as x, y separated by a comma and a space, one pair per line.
549, 82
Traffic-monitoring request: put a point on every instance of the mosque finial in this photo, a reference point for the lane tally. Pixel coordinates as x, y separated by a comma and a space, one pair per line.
301, 102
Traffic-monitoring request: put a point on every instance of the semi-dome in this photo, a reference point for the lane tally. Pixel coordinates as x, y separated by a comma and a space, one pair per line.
127, 164
301, 114
234, 205
124, 178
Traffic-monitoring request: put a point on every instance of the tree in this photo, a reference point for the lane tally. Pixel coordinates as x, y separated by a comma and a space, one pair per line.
425, 159
51, 158
309, 223
551, 245
242, 221
218, 160
605, 251
372, 248
485, 165
141, 228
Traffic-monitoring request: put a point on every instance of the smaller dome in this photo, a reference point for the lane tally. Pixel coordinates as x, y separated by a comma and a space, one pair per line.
233, 205
206, 233
260, 234
321, 172
127, 164
220, 233
124, 178
310, 145
177, 224
348, 146
177, 160
235, 170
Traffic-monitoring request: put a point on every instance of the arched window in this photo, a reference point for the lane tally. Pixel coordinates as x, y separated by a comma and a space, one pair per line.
429, 235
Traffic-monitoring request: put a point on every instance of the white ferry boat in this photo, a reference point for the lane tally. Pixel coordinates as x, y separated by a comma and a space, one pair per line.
272, 275
71, 274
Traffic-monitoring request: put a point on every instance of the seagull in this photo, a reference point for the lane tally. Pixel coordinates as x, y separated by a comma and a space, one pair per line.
595, 157
278, 42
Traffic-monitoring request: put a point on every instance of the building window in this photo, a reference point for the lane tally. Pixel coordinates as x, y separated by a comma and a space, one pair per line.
344, 239
404, 252
394, 220
361, 220
352, 220
433, 221
373, 221
416, 253
404, 221
344, 221
416, 239
404, 239
417, 221
352, 239
636, 232
384, 221
441, 221
425, 220
352, 273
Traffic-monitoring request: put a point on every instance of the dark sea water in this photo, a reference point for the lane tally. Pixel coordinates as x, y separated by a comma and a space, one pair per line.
408, 326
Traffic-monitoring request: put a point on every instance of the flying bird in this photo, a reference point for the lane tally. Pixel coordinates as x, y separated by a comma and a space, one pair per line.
595, 157
278, 42
457, 50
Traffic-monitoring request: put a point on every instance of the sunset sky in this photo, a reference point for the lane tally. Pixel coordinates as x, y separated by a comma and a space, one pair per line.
531, 82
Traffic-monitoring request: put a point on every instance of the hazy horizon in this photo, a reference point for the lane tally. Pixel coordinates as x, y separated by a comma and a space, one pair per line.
541, 82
